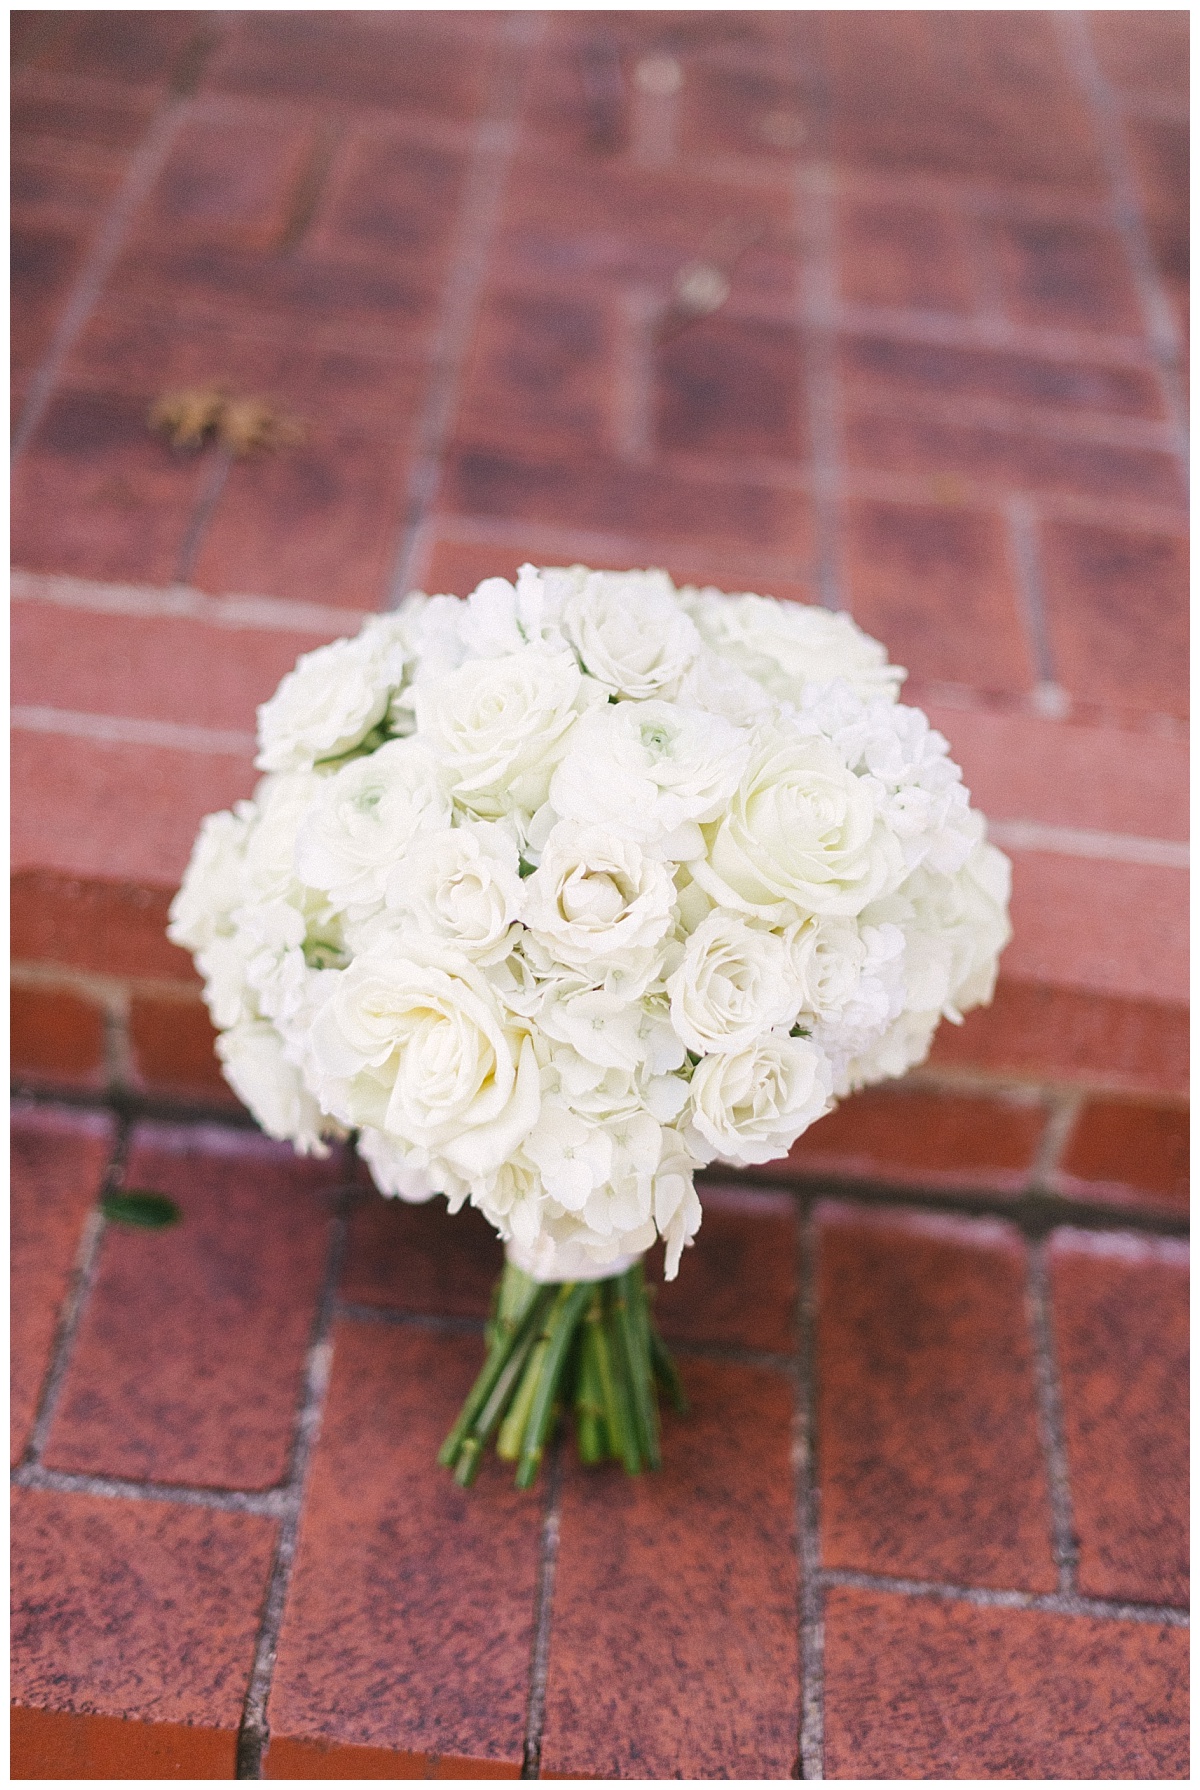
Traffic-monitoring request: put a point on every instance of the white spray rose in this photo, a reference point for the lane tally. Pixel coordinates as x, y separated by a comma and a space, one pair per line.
420, 1049
600, 905
333, 699
801, 836
499, 726
630, 632
464, 885
752, 1106
735, 982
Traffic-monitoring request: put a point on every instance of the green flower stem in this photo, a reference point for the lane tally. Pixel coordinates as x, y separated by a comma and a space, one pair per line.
590, 1346
665, 1373
570, 1301
628, 1299
625, 1424
512, 1430
590, 1428
506, 1340
614, 1410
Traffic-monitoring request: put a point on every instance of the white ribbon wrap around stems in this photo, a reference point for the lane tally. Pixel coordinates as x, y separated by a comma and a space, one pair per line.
547, 1262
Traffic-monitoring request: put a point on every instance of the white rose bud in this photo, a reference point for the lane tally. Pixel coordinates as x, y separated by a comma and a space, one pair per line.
630, 632
333, 699
464, 885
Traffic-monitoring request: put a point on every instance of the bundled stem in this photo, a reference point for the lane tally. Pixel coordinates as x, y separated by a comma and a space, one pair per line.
587, 1346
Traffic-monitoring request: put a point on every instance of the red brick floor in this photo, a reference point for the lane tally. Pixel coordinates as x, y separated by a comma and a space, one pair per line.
944, 392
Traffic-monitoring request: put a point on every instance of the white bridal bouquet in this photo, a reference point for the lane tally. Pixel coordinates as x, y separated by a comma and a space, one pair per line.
554, 896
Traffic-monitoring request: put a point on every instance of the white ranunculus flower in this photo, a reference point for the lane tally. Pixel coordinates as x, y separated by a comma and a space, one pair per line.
784, 646
212, 882
463, 884
499, 726
735, 982
802, 836
600, 905
752, 1107
650, 771
418, 1047
630, 633
334, 698
364, 817
718, 687
259, 1074
269, 862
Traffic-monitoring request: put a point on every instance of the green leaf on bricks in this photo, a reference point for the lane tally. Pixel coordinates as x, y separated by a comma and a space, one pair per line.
135, 1205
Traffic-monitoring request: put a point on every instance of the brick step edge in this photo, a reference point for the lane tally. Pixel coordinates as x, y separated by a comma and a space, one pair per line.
66, 1745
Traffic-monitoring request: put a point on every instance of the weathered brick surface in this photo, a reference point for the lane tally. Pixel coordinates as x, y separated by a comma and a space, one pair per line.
189, 1359
929, 1459
1121, 1334
430, 1589
702, 1660
923, 1137
921, 1688
181, 1588
58, 1161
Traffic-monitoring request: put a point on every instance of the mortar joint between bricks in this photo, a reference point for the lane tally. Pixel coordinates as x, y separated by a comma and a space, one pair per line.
539, 1659
811, 1750
254, 1731
1063, 1540
84, 1273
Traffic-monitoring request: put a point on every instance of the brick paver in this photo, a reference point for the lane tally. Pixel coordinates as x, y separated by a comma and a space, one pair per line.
943, 389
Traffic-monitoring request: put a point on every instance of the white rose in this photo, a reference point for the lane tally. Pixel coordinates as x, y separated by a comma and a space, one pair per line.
333, 699
363, 818
651, 771
752, 1107
465, 885
828, 957
261, 1076
784, 646
499, 726
599, 905
630, 633
735, 983
802, 836
419, 1048
391, 1170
